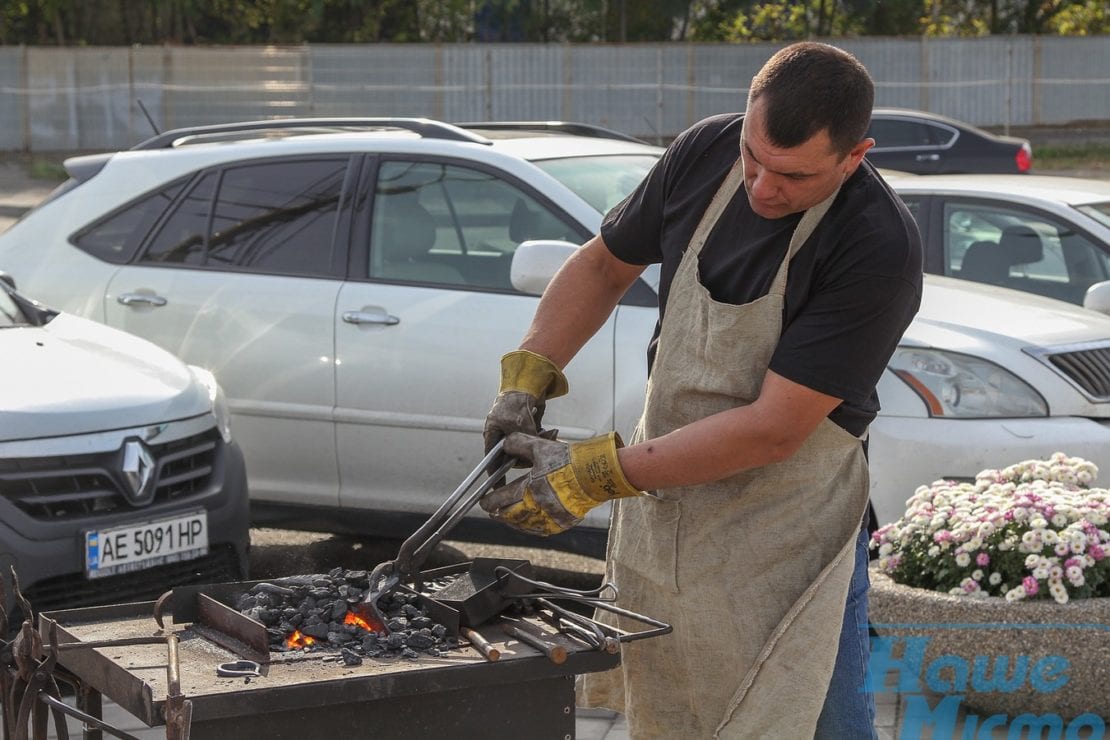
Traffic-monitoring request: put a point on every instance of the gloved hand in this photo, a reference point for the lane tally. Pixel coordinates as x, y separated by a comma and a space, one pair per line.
527, 381
566, 481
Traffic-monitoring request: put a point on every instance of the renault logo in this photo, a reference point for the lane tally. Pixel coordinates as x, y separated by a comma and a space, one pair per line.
138, 473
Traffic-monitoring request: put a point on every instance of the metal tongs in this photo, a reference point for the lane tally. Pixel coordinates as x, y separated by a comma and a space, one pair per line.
415, 550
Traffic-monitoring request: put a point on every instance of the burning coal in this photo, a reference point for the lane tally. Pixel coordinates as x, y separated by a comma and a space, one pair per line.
324, 612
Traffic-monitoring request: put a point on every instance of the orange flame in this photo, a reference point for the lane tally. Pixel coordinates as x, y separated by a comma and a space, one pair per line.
363, 618
298, 640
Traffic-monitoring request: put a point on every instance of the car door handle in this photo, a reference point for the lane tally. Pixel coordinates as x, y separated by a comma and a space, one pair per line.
370, 317
927, 157
141, 299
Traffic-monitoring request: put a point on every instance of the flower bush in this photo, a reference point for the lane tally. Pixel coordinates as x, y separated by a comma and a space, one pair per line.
1034, 530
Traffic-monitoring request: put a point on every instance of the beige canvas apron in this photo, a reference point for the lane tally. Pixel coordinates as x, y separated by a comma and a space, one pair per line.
753, 570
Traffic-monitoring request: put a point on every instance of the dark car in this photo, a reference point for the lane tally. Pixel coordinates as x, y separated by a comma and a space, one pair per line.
928, 144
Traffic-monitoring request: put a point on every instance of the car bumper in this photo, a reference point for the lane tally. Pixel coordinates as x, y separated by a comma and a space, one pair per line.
906, 453
50, 561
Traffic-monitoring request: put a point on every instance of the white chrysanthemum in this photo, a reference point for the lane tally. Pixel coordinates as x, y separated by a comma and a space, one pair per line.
995, 578
1015, 594
963, 559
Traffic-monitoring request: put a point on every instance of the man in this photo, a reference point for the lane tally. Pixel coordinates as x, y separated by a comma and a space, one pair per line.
789, 273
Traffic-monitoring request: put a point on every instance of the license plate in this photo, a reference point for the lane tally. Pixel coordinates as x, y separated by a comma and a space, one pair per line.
138, 546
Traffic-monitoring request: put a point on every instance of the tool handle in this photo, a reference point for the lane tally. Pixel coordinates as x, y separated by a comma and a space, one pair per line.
481, 644
557, 654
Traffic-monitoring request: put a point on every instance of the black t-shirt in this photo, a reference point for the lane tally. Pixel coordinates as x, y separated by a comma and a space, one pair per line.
852, 288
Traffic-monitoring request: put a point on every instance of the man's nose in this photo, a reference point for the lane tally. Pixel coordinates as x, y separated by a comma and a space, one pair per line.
762, 185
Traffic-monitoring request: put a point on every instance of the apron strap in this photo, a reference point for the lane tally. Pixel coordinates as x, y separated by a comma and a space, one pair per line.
802, 232
732, 182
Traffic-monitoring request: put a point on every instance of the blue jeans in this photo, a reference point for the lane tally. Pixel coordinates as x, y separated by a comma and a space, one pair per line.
849, 711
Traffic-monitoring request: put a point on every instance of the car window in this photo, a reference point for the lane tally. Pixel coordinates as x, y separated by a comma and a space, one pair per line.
275, 217
1020, 249
1098, 211
890, 133
451, 225
600, 181
117, 237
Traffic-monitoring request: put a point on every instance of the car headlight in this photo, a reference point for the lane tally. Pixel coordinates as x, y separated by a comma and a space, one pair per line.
962, 386
216, 397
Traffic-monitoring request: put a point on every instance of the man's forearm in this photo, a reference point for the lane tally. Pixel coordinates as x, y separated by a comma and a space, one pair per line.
769, 430
578, 301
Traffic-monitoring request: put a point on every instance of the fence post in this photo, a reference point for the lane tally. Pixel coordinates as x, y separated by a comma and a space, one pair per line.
658, 94
25, 95
487, 75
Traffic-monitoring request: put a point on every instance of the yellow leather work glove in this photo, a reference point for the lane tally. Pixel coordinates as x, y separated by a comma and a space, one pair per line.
527, 381
566, 481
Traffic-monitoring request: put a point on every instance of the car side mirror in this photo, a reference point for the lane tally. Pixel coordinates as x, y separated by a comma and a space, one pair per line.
1098, 297
7, 279
536, 261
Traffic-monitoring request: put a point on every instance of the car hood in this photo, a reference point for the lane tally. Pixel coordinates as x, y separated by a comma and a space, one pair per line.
966, 316
75, 376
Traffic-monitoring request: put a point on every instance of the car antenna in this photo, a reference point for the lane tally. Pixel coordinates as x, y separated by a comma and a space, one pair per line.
150, 120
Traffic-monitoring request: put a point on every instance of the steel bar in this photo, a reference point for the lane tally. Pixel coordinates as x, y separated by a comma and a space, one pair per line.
557, 654
481, 644
88, 719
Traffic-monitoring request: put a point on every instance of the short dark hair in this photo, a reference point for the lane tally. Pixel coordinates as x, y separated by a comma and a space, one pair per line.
808, 87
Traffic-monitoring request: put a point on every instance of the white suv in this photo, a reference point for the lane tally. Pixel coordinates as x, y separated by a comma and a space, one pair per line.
118, 475
352, 284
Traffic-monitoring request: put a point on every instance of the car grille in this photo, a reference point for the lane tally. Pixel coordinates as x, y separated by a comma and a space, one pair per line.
63, 487
1087, 368
74, 590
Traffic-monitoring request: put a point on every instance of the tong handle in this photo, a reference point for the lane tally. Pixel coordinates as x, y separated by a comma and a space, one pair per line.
415, 550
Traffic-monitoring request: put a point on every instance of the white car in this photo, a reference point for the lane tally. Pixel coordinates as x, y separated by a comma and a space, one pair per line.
353, 283
118, 475
1039, 234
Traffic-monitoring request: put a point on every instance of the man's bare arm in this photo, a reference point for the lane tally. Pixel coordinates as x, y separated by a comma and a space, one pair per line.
767, 431
578, 301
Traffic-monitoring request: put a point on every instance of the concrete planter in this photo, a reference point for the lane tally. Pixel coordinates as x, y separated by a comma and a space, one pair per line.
1054, 658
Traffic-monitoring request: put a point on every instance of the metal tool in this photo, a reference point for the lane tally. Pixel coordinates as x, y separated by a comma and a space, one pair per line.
415, 550
557, 654
239, 668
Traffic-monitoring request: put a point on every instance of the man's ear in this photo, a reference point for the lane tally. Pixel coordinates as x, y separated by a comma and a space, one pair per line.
855, 156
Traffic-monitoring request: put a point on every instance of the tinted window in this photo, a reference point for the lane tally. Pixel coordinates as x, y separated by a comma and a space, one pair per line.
889, 133
1020, 249
272, 217
277, 217
444, 224
117, 237
181, 238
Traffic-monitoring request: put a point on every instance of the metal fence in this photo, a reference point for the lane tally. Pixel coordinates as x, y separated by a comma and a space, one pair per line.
85, 98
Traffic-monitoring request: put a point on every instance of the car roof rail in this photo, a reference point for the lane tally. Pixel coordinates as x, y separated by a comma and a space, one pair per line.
423, 126
563, 127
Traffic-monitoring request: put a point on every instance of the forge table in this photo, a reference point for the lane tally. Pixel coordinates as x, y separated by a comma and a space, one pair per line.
457, 695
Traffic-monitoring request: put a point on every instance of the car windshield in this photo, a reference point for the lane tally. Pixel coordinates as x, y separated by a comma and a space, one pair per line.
1098, 211
10, 312
601, 181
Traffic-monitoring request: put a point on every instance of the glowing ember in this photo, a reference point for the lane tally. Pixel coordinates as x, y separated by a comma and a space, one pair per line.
298, 640
364, 619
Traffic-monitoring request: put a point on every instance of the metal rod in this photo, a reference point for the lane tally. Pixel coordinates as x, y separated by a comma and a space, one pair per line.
481, 644
64, 646
557, 654
88, 719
